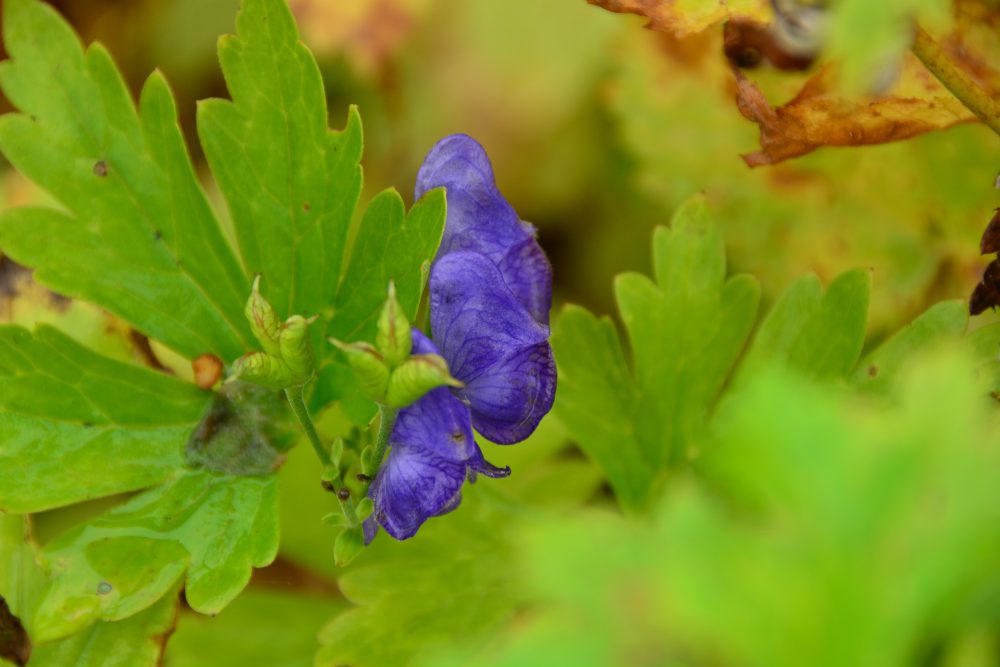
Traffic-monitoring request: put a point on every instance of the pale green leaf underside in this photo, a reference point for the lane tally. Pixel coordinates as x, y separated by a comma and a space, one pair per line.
75, 425
214, 527
290, 183
138, 236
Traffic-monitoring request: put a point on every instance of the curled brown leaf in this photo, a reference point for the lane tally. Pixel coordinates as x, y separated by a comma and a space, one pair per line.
684, 17
817, 116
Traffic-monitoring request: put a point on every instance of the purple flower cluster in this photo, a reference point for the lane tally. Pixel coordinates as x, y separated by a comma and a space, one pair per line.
490, 294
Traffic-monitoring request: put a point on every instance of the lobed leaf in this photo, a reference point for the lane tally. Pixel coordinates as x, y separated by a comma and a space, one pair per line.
213, 527
75, 425
137, 235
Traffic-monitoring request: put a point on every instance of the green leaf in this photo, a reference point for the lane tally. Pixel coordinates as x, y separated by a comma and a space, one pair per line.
290, 183
686, 332
450, 585
820, 335
138, 236
75, 425
214, 527
942, 321
137, 641
276, 628
842, 517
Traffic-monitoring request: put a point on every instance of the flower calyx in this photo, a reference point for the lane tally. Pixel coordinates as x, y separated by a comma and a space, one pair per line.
386, 372
287, 359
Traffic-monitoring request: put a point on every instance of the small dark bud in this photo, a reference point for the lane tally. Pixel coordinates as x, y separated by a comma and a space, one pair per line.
344, 493
327, 485
100, 169
363, 477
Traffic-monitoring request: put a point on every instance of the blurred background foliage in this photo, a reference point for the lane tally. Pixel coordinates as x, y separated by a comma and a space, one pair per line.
598, 130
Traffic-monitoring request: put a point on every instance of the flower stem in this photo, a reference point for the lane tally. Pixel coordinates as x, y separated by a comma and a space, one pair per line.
948, 73
298, 405
387, 419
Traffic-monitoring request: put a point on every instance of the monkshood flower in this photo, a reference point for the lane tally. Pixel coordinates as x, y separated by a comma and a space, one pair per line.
490, 294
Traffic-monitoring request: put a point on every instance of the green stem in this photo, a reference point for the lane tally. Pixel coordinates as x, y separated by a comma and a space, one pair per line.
387, 419
298, 405
954, 79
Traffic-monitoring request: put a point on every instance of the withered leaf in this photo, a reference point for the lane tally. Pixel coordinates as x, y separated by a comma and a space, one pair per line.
987, 292
14, 643
991, 237
817, 116
686, 17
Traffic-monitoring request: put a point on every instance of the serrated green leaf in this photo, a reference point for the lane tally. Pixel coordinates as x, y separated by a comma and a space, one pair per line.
942, 321
597, 398
276, 628
214, 527
75, 425
686, 332
451, 585
138, 237
819, 334
137, 641
291, 184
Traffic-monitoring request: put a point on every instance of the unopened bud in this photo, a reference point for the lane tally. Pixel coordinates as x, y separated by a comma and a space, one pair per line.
415, 377
296, 348
264, 322
368, 367
349, 544
263, 369
393, 337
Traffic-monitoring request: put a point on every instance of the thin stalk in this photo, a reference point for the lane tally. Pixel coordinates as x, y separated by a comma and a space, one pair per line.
387, 419
298, 405
954, 79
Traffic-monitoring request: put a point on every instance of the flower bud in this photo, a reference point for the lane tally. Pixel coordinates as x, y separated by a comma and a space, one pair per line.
264, 322
368, 367
415, 377
393, 337
263, 369
295, 347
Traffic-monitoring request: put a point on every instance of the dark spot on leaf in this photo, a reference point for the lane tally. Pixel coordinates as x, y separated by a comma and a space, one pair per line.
306, 207
104, 588
243, 433
100, 169
15, 645
363, 477
344, 493
991, 237
872, 370
87, 424
157, 235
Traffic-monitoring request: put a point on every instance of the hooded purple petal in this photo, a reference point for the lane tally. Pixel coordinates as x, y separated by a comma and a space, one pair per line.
480, 220
432, 452
493, 345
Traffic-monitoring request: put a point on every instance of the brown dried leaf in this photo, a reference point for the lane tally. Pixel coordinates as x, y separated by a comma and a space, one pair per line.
686, 17
818, 116
990, 242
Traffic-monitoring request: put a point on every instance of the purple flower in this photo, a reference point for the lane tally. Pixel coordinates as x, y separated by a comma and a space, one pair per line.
432, 453
490, 294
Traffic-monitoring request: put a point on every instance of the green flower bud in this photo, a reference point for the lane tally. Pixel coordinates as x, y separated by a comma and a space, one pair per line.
393, 334
368, 367
263, 369
264, 322
417, 376
349, 544
365, 508
296, 349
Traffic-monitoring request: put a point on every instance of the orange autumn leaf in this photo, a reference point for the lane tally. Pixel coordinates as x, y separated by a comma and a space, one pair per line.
686, 17
818, 116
